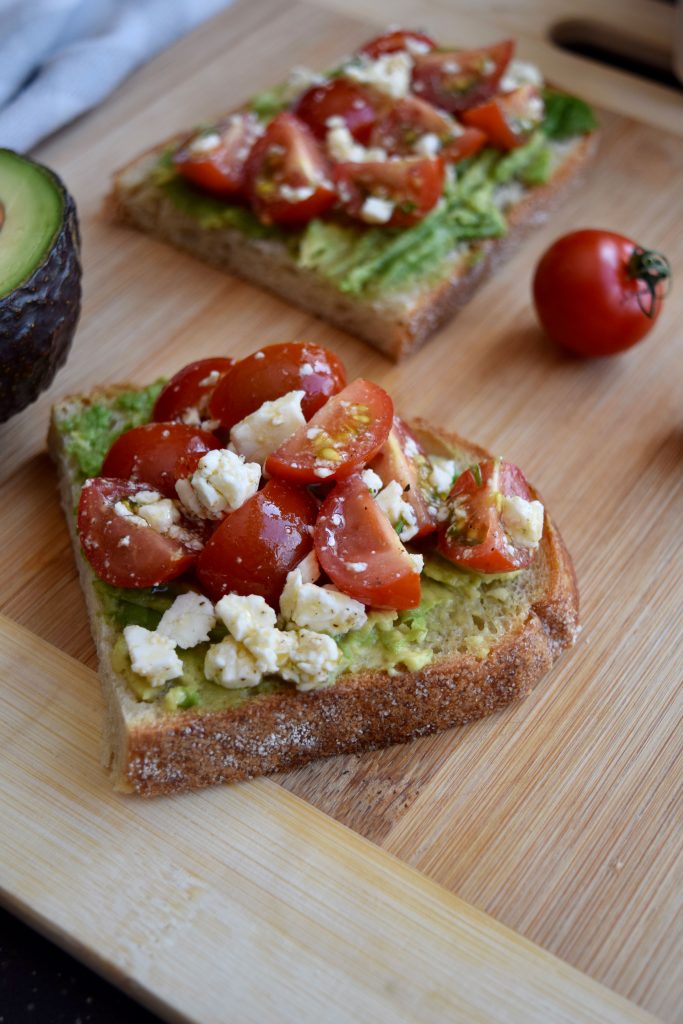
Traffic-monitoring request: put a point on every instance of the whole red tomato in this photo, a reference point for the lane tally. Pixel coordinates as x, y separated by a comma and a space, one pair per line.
598, 293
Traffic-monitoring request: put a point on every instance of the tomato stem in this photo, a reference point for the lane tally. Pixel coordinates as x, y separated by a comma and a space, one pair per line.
652, 268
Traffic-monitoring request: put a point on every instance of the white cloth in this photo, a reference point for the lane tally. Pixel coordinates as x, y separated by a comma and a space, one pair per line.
59, 58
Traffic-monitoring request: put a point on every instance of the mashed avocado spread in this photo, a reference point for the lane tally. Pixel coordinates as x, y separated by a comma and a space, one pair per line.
372, 261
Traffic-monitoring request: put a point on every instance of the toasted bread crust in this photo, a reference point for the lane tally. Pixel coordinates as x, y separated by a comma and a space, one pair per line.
396, 328
150, 754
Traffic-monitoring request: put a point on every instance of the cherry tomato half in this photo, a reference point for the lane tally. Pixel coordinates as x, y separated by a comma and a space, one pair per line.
598, 293
272, 372
413, 185
509, 119
215, 160
124, 553
188, 391
403, 458
158, 453
288, 175
401, 39
360, 551
342, 436
473, 537
252, 550
458, 79
338, 98
401, 131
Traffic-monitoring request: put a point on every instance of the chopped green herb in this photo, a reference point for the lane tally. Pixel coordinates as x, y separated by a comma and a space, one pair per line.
566, 116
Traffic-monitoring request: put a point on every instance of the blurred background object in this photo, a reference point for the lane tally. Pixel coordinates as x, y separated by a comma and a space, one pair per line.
59, 58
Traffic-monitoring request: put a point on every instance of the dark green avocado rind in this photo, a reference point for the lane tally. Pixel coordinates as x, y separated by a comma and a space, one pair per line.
39, 317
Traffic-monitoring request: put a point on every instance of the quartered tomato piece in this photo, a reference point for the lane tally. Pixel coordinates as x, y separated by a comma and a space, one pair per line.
338, 98
508, 119
403, 458
342, 436
186, 396
272, 372
458, 79
252, 550
158, 453
215, 160
288, 176
402, 39
122, 552
360, 551
413, 185
412, 126
474, 536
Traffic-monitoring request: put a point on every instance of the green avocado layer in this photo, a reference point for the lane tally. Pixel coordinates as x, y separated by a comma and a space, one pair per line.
372, 261
459, 612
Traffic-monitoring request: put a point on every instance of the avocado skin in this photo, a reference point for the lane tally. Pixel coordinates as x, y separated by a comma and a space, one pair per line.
38, 319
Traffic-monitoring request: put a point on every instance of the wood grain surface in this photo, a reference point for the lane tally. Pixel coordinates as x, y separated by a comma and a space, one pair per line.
243, 903
561, 817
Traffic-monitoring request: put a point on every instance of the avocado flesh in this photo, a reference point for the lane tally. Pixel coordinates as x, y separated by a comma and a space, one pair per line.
40, 279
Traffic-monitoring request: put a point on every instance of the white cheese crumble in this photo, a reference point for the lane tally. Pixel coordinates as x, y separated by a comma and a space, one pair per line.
221, 483
152, 655
376, 211
231, 665
373, 481
295, 194
418, 562
519, 72
323, 609
204, 144
442, 474
390, 73
522, 520
264, 430
343, 148
428, 144
188, 621
313, 659
149, 509
390, 500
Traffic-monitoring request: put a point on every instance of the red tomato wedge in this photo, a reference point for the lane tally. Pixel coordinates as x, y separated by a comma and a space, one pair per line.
159, 454
402, 130
272, 372
252, 550
188, 391
288, 175
458, 79
338, 98
473, 537
403, 458
412, 184
216, 160
401, 39
508, 120
124, 553
360, 551
342, 436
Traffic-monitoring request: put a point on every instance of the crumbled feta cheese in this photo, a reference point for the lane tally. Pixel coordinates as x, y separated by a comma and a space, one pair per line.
189, 620
376, 211
323, 609
221, 483
152, 655
191, 416
292, 194
373, 481
400, 512
390, 73
231, 665
312, 660
343, 148
252, 622
416, 46
418, 561
442, 475
121, 509
204, 144
160, 515
519, 72
428, 144
309, 568
264, 430
146, 497
522, 520
306, 370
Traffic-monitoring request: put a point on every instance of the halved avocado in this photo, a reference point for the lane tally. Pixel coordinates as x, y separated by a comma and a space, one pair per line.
40, 279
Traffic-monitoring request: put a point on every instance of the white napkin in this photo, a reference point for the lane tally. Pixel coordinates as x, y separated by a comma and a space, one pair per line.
59, 58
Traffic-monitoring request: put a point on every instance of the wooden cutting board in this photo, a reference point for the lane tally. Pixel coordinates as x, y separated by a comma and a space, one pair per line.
560, 817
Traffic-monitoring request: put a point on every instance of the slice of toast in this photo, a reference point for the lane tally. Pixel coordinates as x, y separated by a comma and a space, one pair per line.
398, 321
483, 659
